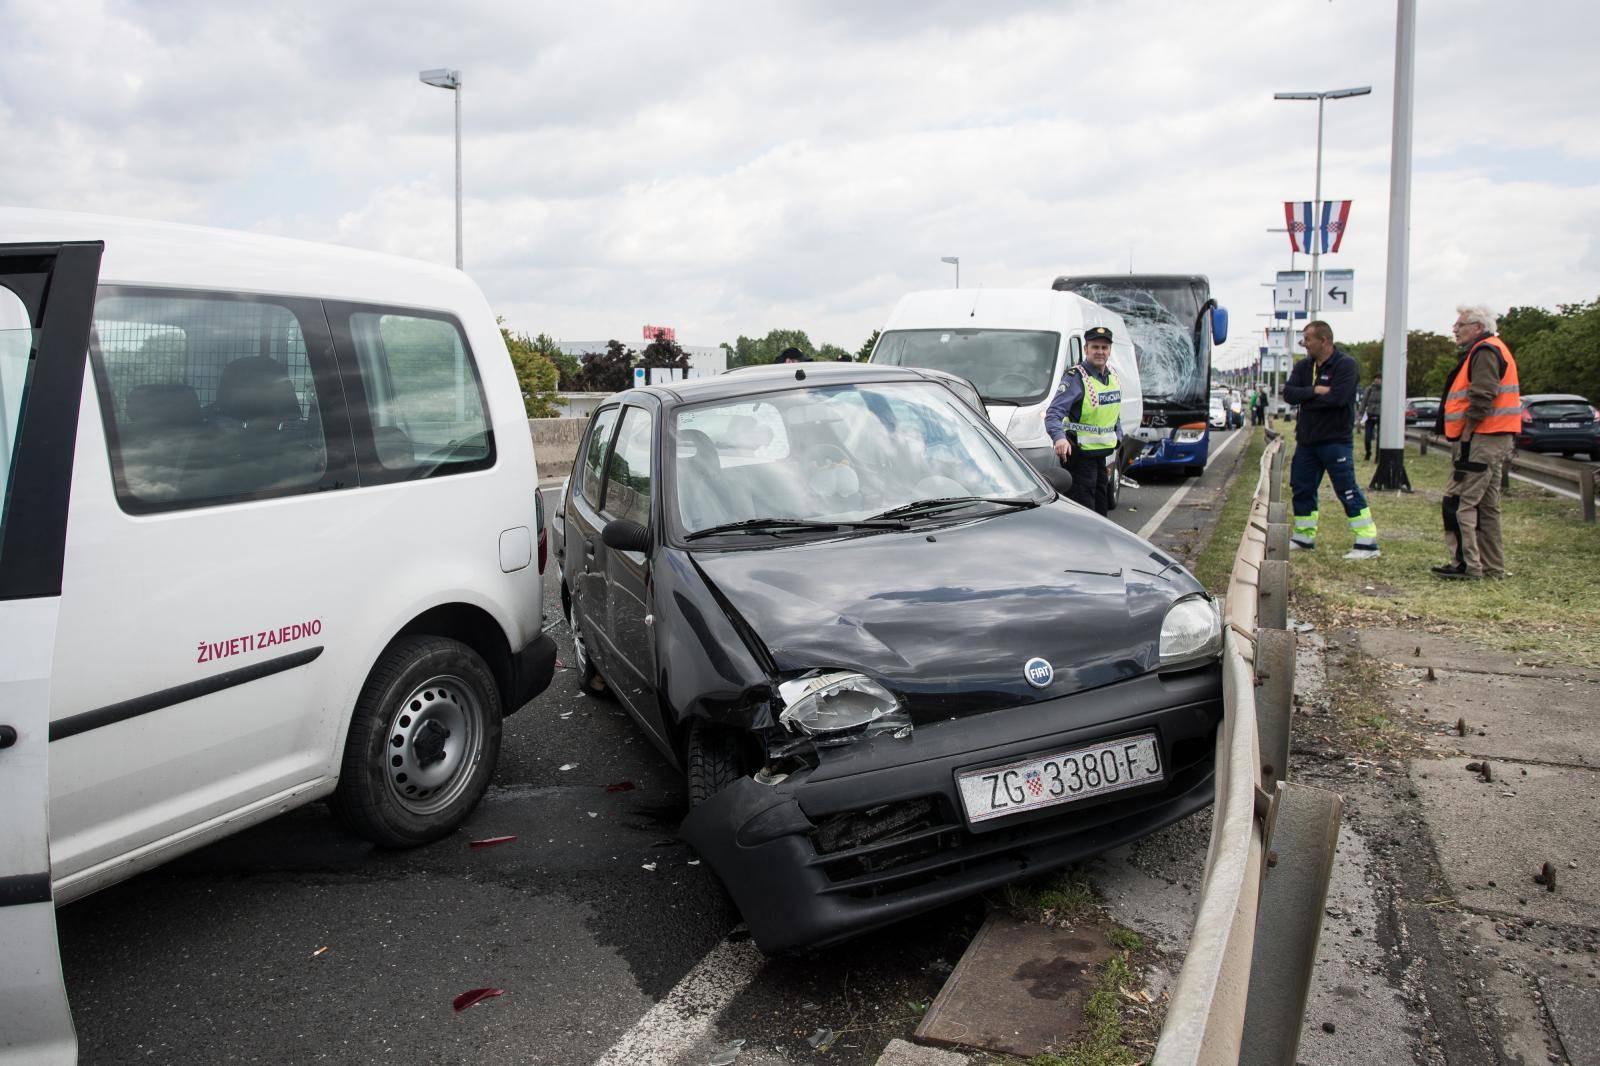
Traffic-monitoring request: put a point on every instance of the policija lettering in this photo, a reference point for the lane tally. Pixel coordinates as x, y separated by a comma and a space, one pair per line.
210, 651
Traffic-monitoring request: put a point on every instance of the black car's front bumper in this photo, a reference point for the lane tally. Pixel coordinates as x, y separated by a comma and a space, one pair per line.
876, 832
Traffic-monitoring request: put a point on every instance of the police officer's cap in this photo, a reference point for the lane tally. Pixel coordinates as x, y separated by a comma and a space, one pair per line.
1097, 333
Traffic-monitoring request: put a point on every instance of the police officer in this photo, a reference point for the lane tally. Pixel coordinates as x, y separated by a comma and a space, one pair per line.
1083, 420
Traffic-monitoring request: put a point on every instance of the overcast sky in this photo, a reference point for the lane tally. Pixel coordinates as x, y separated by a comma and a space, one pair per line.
731, 168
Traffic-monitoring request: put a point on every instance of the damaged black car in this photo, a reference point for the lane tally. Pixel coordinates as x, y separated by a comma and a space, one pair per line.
894, 665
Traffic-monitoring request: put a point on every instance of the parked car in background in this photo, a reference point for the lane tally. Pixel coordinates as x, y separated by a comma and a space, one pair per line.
1218, 416
1560, 422
774, 573
1422, 411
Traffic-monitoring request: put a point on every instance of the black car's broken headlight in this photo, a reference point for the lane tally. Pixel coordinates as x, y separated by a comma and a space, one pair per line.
840, 705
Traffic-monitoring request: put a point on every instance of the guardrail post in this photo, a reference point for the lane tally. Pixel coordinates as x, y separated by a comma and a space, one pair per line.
1275, 661
1278, 512
1272, 604
1586, 492
1278, 535
1422, 444
1302, 834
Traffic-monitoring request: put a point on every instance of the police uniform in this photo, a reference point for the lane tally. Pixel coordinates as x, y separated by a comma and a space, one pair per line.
1086, 411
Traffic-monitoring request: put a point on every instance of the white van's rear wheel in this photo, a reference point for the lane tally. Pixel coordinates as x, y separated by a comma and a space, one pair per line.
423, 743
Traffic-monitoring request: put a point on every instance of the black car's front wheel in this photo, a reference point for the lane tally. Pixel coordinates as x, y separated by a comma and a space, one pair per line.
714, 759
423, 743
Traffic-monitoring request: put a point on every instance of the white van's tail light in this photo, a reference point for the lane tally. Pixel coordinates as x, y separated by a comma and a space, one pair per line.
544, 532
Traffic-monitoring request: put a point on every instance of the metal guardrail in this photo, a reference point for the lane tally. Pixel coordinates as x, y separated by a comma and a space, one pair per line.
1272, 842
1579, 475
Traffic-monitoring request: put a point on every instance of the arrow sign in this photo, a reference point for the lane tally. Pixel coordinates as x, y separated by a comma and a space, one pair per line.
1338, 290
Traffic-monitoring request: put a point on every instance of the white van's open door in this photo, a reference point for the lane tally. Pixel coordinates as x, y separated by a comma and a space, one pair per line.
46, 303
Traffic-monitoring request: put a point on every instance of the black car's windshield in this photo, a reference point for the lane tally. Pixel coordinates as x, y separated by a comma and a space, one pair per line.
1005, 365
836, 455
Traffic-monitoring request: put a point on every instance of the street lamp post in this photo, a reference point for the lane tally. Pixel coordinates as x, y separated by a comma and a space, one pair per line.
444, 78
1314, 303
1391, 471
955, 261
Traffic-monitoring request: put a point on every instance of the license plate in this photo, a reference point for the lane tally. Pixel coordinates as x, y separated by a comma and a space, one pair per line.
1564, 425
1063, 777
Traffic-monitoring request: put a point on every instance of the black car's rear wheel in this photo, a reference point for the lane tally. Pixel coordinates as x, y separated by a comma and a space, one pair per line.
589, 680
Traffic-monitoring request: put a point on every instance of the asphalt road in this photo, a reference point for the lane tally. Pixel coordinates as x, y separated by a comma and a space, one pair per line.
589, 920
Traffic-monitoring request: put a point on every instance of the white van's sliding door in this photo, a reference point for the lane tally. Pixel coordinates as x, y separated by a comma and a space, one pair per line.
46, 299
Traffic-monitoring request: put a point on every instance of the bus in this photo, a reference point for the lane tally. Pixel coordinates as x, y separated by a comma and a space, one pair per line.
1174, 322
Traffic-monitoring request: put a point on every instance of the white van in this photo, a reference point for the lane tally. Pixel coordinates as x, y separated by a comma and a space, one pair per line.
271, 533
1013, 345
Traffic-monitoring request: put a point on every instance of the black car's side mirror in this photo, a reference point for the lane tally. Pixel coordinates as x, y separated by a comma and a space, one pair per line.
626, 536
1060, 478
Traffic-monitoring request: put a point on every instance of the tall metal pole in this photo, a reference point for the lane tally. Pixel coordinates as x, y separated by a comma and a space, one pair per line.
1391, 471
1314, 293
458, 169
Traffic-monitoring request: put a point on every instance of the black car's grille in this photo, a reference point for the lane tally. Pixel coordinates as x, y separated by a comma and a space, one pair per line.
898, 847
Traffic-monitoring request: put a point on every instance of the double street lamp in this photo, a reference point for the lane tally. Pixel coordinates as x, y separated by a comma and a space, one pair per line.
444, 78
1314, 304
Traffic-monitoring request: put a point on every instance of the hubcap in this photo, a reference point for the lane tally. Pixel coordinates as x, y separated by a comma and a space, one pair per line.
434, 739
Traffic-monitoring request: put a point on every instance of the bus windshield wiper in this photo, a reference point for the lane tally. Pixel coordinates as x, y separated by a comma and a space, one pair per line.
946, 503
780, 525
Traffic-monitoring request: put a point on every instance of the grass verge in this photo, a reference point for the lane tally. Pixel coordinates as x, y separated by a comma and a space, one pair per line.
1214, 565
1546, 609
1107, 1030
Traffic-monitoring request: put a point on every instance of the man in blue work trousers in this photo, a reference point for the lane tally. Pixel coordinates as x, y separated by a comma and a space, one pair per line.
1324, 384
1084, 421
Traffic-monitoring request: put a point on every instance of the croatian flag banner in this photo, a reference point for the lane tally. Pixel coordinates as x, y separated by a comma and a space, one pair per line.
1335, 217
1297, 214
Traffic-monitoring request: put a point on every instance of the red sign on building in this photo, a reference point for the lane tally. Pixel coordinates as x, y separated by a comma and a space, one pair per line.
665, 333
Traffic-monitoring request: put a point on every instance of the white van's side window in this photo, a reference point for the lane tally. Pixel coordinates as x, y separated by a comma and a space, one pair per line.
207, 398
423, 397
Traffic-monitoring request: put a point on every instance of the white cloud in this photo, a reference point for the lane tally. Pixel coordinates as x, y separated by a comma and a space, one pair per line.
734, 168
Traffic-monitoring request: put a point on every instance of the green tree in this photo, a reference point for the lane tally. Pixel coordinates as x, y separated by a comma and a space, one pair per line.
1521, 325
537, 376
607, 371
752, 351
832, 353
865, 351
1565, 358
1369, 356
664, 353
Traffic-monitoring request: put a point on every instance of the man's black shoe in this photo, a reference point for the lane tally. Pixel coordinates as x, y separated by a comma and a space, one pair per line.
1456, 573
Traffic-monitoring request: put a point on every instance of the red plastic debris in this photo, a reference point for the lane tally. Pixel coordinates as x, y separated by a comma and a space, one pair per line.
561, 664
621, 786
476, 995
489, 842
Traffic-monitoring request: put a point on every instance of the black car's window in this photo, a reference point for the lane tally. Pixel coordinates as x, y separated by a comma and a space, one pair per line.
1560, 411
594, 455
210, 398
837, 453
628, 472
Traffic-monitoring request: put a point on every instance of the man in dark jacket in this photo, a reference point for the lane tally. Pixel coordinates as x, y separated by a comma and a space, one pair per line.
1324, 384
1371, 411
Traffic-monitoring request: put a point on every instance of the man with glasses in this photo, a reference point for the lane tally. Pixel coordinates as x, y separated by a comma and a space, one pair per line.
1324, 385
1479, 414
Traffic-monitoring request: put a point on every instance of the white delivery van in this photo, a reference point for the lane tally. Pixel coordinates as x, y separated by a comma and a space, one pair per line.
1013, 345
271, 533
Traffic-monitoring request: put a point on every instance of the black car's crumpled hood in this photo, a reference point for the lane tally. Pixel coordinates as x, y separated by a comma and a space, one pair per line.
948, 622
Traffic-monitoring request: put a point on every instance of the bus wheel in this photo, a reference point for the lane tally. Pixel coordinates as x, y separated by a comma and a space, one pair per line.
423, 743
